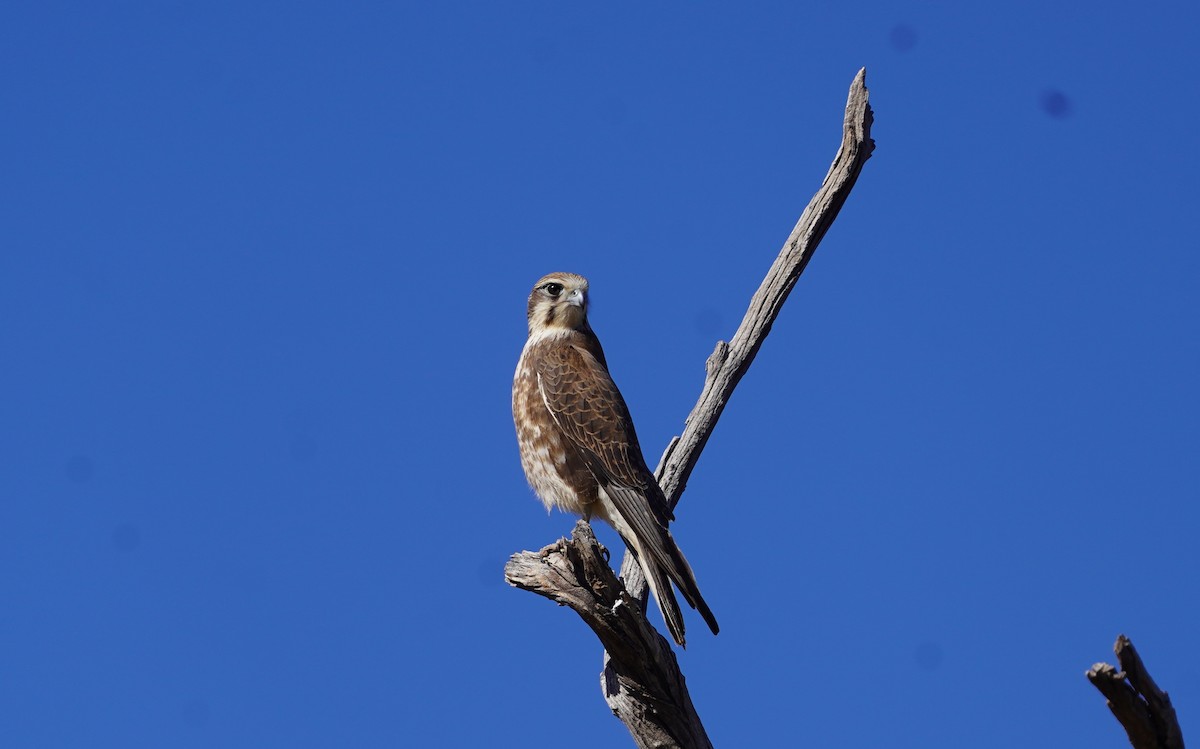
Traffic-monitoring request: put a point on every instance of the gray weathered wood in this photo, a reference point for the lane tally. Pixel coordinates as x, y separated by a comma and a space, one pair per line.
641, 680
576, 573
1139, 705
729, 361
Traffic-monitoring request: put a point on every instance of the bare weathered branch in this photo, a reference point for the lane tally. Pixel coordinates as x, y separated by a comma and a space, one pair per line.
641, 680
643, 670
729, 361
1139, 705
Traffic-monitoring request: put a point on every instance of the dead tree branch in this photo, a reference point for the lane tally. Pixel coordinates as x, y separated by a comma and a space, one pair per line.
1141, 707
729, 361
575, 573
641, 680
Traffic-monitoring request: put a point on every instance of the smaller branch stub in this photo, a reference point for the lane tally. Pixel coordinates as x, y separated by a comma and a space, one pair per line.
1144, 710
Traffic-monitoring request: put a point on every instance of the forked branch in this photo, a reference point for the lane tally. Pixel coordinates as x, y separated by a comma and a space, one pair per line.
641, 681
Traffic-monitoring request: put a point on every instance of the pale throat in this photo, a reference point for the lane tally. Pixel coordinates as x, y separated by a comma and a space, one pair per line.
544, 333
562, 323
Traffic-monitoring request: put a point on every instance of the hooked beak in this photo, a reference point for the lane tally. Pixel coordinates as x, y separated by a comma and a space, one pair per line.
577, 297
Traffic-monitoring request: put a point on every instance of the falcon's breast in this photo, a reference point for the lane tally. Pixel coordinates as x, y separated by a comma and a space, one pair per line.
555, 470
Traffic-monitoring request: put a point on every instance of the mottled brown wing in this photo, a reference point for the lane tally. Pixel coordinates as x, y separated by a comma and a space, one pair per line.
587, 406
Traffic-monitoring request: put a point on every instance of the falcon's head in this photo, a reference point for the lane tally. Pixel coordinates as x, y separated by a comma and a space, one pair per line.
558, 302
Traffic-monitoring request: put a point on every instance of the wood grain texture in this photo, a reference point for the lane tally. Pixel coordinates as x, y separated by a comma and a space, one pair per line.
641, 681
644, 674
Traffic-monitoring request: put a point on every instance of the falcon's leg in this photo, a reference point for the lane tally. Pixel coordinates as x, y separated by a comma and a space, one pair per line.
587, 510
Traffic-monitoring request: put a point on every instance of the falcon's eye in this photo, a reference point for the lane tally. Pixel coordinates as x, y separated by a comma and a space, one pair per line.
553, 289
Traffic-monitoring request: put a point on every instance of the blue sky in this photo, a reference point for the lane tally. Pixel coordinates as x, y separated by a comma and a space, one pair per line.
263, 276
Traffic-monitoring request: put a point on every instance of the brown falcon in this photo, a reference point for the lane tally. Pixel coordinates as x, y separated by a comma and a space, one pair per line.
578, 446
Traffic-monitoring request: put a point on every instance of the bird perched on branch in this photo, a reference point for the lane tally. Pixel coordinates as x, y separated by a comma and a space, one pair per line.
578, 446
